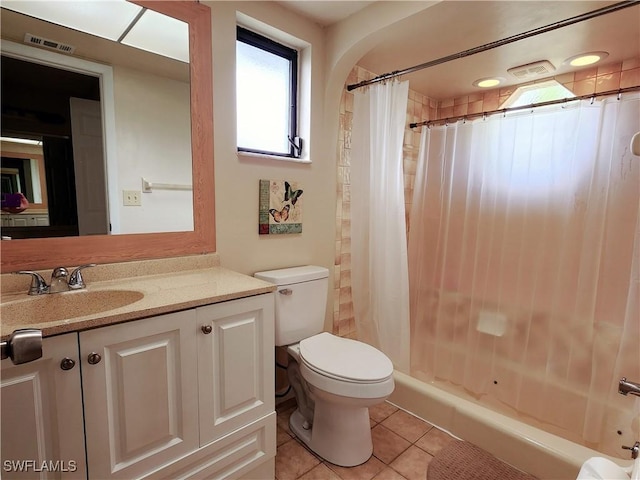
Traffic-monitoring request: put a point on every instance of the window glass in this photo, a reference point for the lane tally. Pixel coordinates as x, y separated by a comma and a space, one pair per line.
537, 93
265, 89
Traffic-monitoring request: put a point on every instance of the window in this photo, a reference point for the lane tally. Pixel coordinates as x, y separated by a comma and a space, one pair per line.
537, 93
266, 89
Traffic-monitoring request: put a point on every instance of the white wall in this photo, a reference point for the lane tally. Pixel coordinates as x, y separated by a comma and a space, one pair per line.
238, 243
153, 133
333, 53
237, 179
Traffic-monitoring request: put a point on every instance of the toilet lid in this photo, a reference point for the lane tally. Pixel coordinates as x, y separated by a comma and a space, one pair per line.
344, 358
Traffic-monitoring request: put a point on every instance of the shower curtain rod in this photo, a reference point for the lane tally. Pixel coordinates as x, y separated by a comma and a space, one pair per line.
444, 121
498, 43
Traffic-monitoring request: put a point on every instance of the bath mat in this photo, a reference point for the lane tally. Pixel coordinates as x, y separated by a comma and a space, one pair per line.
461, 460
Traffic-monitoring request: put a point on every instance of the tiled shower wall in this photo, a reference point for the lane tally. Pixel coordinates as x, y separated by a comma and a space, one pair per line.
583, 82
420, 108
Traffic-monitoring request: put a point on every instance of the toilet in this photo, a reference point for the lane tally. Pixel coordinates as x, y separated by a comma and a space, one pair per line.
334, 379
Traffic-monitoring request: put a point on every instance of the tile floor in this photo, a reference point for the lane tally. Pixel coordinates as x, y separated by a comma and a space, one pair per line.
403, 446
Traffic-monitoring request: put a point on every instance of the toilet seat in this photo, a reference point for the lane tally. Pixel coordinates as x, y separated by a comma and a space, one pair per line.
344, 359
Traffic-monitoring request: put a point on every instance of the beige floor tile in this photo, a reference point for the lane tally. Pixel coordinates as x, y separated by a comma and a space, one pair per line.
282, 436
282, 420
286, 405
434, 440
366, 471
381, 411
407, 426
320, 472
412, 464
386, 444
293, 460
389, 474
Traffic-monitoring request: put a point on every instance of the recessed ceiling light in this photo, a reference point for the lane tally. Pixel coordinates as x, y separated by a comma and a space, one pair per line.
583, 59
488, 82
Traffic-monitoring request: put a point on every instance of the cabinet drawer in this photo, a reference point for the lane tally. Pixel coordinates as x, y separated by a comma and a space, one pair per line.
229, 457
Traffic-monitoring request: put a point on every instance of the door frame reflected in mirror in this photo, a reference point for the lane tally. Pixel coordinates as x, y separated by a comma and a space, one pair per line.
41, 253
103, 75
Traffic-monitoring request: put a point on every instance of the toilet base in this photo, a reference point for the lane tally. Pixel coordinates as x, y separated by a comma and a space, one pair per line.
296, 422
340, 434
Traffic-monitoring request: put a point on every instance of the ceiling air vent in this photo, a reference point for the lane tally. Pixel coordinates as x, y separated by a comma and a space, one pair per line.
30, 39
532, 70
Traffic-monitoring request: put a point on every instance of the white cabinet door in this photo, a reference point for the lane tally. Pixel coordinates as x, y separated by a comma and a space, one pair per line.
41, 220
236, 364
42, 432
141, 409
20, 221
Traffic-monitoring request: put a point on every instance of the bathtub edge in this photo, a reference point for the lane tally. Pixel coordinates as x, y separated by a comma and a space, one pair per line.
530, 449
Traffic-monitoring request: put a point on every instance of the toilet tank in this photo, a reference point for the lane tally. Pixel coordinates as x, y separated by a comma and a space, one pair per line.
301, 301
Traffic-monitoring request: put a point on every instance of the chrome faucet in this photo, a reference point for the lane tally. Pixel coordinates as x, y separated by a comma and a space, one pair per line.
625, 387
635, 449
38, 284
61, 280
76, 281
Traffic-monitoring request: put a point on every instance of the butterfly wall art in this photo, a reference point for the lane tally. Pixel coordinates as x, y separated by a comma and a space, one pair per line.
280, 209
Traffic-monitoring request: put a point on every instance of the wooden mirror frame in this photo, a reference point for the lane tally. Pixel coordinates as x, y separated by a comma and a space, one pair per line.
41, 253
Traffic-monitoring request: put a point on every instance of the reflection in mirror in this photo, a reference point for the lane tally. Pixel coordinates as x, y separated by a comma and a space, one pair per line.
45, 253
105, 117
23, 173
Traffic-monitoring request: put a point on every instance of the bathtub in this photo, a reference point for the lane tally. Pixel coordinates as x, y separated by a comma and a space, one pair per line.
527, 448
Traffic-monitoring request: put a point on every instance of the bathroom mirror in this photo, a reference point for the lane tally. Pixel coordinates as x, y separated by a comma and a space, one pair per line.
131, 89
49, 252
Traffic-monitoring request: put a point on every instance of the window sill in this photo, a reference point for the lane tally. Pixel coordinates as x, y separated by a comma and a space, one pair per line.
264, 156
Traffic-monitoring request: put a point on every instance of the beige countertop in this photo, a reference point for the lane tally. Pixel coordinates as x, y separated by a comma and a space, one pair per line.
133, 294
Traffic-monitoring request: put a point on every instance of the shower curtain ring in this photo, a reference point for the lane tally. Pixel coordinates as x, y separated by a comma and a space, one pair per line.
593, 99
619, 94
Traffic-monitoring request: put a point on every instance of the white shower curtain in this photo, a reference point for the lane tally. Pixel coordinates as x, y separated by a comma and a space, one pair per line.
379, 276
524, 269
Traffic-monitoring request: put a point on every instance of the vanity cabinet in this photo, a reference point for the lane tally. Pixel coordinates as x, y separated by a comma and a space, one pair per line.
182, 395
41, 402
25, 220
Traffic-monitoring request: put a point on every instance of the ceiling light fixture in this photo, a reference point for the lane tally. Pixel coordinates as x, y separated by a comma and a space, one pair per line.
584, 59
25, 141
488, 82
119, 21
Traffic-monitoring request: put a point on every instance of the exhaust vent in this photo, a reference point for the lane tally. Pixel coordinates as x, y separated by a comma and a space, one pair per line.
532, 70
30, 39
